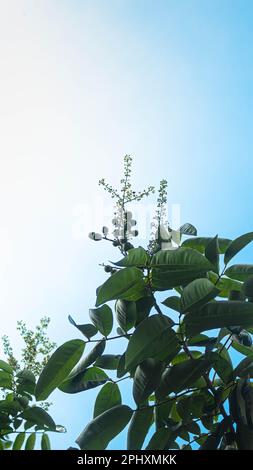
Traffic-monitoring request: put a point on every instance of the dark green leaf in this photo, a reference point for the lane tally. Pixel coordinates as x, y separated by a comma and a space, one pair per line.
172, 302
154, 338
146, 379
212, 253
245, 368
108, 397
58, 367
102, 319
30, 443
125, 314
160, 439
6, 367
136, 257
139, 427
45, 442
237, 245
19, 441
182, 376
143, 308
38, 416
188, 229
86, 380
200, 243
197, 293
99, 432
87, 330
172, 268
124, 284
108, 361
217, 314
241, 272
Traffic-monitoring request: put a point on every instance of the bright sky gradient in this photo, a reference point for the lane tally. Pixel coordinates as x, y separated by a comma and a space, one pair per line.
83, 82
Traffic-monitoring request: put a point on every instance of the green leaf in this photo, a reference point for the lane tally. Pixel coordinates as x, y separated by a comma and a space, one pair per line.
45, 442
172, 302
226, 285
183, 356
245, 368
91, 357
139, 427
108, 361
245, 350
102, 319
5, 380
197, 293
58, 367
11, 407
222, 366
188, 229
122, 285
6, 367
237, 245
172, 268
19, 441
99, 432
160, 439
86, 380
143, 308
108, 397
248, 288
154, 338
217, 314
200, 243
38, 416
30, 443
146, 379
136, 257
125, 314
87, 330
241, 272
212, 253
182, 376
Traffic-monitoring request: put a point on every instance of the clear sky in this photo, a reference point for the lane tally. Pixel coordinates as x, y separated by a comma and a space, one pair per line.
83, 82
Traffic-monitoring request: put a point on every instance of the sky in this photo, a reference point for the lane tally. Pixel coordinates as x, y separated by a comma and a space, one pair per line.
84, 82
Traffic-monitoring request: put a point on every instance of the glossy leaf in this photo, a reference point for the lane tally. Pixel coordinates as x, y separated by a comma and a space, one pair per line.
172, 268
182, 375
87, 330
45, 442
102, 318
197, 293
58, 367
217, 314
241, 272
188, 229
86, 380
173, 302
30, 443
146, 379
138, 428
19, 441
122, 285
108, 361
154, 338
126, 314
99, 432
237, 245
136, 257
38, 416
212, 253
200, 243
108, 397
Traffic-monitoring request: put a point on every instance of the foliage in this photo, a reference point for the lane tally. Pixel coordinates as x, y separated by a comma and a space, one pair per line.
22, 421
174, 347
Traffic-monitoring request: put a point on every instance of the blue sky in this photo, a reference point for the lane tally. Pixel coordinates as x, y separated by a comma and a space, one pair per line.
82, 84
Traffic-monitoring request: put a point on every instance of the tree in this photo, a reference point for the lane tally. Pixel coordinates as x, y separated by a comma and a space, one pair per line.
22, 421
174, 347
